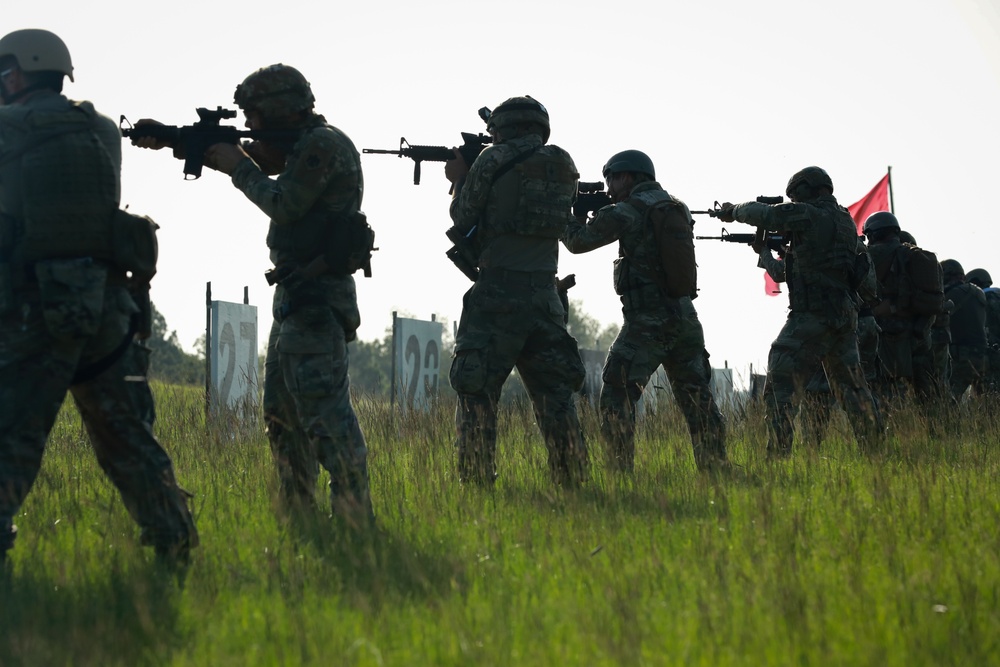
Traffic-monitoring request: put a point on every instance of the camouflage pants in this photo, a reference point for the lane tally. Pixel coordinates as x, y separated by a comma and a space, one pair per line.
511, 323
909, 363
308, 412
80, 322
676, 340
135, 365
968, 370
807, 341
819, 403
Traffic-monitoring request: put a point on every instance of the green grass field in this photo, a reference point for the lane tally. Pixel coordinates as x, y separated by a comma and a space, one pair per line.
829, 558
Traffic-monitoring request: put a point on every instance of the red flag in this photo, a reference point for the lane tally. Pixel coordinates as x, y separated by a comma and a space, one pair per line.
873, 202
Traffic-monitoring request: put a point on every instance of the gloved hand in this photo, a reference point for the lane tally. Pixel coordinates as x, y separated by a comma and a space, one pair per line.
724, 212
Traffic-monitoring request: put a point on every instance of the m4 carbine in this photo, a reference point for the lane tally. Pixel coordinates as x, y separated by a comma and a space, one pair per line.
773, 240
763, 199
590, 197
193, 140
472, 146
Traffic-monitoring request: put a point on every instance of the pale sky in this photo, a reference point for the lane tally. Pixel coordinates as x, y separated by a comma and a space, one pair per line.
728, 98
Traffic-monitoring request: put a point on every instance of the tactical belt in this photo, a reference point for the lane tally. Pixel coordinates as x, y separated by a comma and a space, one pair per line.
519, 278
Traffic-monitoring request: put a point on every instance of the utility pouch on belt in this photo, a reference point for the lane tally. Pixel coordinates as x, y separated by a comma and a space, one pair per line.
72, 296
133, 244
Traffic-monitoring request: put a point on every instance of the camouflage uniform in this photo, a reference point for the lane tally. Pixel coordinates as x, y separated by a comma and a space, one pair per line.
905, 347
658, 329
512, 316
819, 398
307, 402
992, 382
822, 322
968, 335
65, 323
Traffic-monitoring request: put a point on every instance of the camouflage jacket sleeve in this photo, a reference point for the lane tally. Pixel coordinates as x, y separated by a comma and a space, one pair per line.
607, 226
774, 266
320, 158
790, 217
472, 197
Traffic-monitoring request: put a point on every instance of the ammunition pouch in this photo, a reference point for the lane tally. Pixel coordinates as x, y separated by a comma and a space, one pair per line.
134, 247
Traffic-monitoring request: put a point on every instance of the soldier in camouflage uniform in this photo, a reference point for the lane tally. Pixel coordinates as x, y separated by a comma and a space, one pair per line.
819, 398
65, 307
317, 189
822, 322
906, 314
981, 278
655, 276
515, 202
968, 329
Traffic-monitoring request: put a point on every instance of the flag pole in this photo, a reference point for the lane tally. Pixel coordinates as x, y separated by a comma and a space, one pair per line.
892, 207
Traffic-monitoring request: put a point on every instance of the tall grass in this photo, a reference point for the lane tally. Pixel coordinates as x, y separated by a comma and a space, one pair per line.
829, 558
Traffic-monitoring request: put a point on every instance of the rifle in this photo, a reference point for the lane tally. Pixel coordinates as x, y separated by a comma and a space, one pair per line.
472, 146
194, 140
763, 199
774, 240
590, 197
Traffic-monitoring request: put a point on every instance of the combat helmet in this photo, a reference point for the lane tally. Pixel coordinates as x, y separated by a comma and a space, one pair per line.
629, 161
880, 220
37, 51
951, 268
907, 237
980, 278
814, 177
519, 111
274, 91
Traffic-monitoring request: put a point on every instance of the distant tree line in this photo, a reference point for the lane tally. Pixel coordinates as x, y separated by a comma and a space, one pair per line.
370, 361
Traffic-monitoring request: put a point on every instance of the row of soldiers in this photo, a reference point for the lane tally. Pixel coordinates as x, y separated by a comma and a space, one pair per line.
68, 309
924, 327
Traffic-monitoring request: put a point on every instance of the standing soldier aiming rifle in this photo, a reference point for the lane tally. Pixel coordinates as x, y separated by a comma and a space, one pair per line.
513, 204
66, 315
314, 204
656, 277
822, 322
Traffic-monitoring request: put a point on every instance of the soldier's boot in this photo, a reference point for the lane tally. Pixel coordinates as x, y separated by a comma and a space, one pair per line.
710, 452
619, 435
175, 534
476, 465
622, 455
568, 460
350, 497
779, 442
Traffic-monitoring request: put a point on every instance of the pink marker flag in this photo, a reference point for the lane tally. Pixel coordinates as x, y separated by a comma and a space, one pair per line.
771, 288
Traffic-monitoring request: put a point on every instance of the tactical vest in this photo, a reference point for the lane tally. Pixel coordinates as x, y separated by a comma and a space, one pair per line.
664, 257
534, 196
67, 184
825, 255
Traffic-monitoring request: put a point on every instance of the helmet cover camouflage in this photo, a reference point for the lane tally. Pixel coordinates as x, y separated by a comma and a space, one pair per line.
37, 51
519, 111
629, 161
814, 177
274, 91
